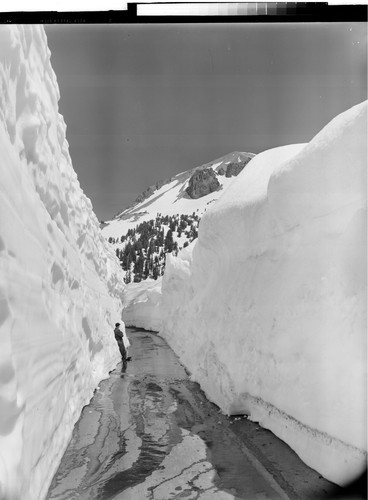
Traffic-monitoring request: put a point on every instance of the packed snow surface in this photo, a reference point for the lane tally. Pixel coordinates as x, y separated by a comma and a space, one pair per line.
267, 308
60, 284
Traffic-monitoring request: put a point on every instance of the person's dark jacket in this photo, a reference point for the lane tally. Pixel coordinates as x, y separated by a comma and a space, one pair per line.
118, 334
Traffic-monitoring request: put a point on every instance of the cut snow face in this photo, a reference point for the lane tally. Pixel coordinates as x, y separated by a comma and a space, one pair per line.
60, 282
268, 310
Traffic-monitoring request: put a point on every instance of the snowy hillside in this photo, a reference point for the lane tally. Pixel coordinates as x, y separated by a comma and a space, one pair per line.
142, 251
275, 325
60, 283
170, 198
165, 217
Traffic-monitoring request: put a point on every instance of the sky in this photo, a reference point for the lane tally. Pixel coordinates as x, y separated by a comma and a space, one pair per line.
145, 102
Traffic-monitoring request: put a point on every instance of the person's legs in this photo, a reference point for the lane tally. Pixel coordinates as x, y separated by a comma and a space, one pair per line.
122, 350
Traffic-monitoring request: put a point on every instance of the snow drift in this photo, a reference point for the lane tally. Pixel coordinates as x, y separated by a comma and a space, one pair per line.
267, 308
142, 305
60, 290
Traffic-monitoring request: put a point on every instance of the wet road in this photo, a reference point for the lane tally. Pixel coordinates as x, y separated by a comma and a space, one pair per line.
150, 433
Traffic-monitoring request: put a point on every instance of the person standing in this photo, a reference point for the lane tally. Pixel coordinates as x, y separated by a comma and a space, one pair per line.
122, 341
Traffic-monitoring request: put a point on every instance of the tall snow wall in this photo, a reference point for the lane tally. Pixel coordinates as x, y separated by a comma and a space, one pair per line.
268, 308
60, 285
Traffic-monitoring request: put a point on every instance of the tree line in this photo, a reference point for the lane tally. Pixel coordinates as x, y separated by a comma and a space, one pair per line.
142, 250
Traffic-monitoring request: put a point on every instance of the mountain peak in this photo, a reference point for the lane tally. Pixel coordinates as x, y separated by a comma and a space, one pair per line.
219, 165
180, 194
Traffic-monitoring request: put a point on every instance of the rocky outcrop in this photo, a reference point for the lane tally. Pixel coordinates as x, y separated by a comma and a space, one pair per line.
150, 190
228, 165
202, 182
234, 168
146, 194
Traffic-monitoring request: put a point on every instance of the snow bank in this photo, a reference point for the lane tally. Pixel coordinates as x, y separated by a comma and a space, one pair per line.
268, 308
60, 291
142, 305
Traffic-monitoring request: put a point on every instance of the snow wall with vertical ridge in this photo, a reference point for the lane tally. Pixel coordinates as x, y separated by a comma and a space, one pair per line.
60, 284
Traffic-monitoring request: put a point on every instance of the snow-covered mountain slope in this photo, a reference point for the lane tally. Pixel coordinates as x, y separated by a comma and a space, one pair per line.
170, 197
267, 308
60, 283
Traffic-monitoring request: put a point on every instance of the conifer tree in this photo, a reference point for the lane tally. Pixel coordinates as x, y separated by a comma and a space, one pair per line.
155, 273
169, 242
128, 277
145, 274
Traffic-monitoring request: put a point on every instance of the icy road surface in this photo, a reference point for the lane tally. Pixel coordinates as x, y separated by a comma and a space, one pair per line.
150, 433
